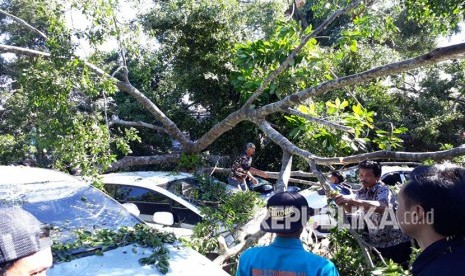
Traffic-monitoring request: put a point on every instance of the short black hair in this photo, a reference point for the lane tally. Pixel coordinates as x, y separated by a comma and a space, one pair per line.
249, 145
338, 175
374, 165
441, 190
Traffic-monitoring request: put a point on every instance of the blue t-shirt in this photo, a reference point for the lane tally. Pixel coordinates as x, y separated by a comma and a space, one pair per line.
284, 256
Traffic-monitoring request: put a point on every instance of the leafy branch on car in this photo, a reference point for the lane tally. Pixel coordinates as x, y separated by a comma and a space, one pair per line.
101, 240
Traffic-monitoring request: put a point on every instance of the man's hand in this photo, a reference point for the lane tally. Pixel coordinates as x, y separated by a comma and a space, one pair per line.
254, 181
342, 199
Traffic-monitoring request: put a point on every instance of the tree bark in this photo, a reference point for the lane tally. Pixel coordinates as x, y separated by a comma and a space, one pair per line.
285, 173
130, 161
116, 121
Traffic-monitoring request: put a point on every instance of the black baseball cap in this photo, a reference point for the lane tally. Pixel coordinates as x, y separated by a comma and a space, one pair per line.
287, 213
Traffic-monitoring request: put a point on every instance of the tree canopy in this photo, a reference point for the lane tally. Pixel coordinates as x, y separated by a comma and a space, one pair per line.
329, 82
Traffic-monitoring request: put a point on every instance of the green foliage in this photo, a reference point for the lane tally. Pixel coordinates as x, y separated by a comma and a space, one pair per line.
101, 240
235, 210
389, 140
441, 15
255, 60
188, 161
209, 189
347, 255
390, 269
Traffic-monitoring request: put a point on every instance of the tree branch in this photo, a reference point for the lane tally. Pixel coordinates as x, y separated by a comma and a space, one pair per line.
435, 56
125, 86
24, 23
282, 141
169, 126
297, 50
116, 121
285, 173
22, 51
246, 240
411, 156
273, 175
319, 120
130, 161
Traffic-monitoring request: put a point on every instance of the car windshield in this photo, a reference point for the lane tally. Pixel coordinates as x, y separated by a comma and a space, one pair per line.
67, 206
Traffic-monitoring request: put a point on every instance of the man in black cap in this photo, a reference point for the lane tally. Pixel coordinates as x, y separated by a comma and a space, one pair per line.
25, 247
287, 215
242, 169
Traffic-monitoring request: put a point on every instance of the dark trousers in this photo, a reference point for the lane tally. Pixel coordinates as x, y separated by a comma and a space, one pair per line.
399, 253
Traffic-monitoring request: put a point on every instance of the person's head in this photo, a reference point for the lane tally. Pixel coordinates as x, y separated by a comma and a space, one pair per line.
434, 198
336, 177
249, 149
25, 245
287, 214
369, 173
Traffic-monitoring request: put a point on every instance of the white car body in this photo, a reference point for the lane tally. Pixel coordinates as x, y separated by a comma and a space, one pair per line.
28, 186
152, 180
156, 181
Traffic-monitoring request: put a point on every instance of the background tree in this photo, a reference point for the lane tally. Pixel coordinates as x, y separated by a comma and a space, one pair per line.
244, 73
337, 86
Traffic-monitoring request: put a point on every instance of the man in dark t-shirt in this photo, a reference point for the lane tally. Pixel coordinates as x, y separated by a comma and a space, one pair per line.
432, 211
242, 169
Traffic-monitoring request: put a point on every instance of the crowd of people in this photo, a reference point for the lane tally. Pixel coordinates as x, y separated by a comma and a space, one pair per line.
429, 213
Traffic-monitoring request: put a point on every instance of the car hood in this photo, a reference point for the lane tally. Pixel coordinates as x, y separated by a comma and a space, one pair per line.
125, 261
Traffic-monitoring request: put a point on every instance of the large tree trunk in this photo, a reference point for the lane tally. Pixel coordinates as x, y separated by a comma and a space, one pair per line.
285, 173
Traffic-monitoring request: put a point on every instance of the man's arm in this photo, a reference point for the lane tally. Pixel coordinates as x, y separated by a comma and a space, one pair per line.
254, 180
258, 172
349, 203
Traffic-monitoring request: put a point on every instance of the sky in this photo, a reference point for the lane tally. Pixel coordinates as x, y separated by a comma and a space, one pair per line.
454, 39
128, 11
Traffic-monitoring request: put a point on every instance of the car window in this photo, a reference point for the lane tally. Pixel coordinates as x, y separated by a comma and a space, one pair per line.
182, 214
130, 193
111, 190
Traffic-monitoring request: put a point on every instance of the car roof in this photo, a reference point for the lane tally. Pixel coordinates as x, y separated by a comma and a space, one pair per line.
40, 184
16, 175
351, 171
152, 177
389, 169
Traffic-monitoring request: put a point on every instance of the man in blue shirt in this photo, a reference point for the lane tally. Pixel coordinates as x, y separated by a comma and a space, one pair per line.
287, 215
432, 210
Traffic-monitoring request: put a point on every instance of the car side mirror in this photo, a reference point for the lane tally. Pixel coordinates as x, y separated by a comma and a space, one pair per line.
163, 218
132, 208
